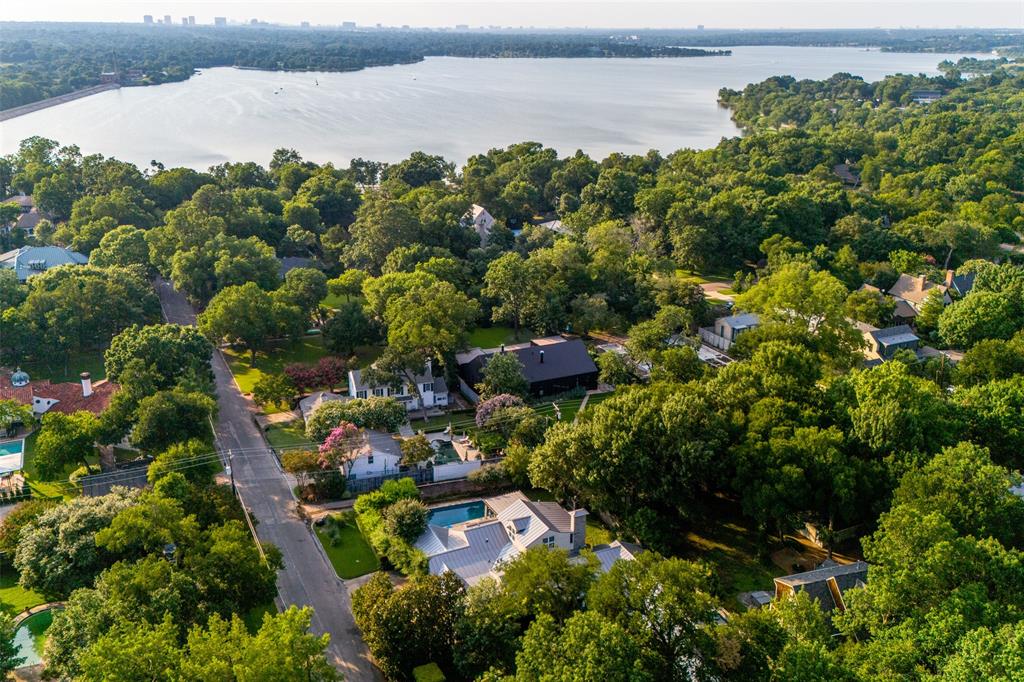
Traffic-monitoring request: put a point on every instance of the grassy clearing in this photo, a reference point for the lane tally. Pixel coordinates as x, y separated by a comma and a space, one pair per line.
13, 597
492, 337
56, 371
291, 435
306, 350
732, 545
349, 552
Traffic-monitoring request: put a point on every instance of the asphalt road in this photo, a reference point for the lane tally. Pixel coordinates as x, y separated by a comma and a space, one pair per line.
307, 579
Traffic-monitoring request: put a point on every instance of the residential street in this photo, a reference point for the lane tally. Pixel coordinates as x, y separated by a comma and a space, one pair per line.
307, 579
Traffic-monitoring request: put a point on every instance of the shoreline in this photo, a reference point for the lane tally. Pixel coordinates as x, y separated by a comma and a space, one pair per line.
8, 114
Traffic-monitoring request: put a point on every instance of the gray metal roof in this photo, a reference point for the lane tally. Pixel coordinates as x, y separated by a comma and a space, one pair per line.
739, 321
32, 260
471, 552
617, 551
890, 336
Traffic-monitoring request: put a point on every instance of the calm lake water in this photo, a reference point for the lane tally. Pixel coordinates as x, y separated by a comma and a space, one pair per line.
450, 106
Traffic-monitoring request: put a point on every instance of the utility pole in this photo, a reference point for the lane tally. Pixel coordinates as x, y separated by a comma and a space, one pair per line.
231, 473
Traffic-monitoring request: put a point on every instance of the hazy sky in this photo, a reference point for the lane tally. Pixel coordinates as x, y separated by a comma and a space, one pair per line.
553, 13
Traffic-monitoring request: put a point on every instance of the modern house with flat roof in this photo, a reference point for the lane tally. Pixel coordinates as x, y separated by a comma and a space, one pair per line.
551, 365
882, 344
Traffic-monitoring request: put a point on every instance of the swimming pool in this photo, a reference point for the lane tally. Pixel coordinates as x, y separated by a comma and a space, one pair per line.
12, 447
456, 513
31, 636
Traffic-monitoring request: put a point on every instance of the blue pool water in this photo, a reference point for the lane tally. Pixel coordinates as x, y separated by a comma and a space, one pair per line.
13, 447
456, 513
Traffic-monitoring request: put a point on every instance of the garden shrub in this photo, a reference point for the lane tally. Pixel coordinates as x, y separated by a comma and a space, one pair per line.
371, 509
383, 414
428, 673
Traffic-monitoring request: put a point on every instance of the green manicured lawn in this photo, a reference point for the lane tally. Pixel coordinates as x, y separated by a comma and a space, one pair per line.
460, 418
492, 337
14, 598
349, 552
253, 618
598, 398
57, 488
334, 302
56, 371
731, 544
306, 350
288, 435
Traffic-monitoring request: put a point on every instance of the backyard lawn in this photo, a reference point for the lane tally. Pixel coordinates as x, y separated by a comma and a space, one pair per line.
598, 398
346, 547
492, 337
57, 488
13, 598
286, 436
730, 543
461, 419
307, 350
57, 371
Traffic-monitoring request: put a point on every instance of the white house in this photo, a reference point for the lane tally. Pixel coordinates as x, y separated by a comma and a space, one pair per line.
725, 330
370, 463
478, 218
511, 524
433, 391
377, 454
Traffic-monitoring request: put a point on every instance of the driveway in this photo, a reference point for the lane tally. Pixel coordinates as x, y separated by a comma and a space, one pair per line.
714, 290
307, 578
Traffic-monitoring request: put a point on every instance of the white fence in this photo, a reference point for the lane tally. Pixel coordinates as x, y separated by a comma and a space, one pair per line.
712, 339
447, 472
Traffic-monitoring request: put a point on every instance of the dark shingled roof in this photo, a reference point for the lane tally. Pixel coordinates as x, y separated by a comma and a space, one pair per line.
565, 359
816, 583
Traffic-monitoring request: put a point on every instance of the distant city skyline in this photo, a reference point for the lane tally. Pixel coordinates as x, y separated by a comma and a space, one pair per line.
727, 14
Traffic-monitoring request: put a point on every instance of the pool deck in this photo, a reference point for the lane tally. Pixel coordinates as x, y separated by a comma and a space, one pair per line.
28, 613
12, 461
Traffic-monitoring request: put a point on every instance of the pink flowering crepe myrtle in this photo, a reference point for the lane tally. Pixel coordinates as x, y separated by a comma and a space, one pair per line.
341, 443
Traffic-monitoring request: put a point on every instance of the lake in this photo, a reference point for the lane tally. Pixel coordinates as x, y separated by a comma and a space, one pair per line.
450, 106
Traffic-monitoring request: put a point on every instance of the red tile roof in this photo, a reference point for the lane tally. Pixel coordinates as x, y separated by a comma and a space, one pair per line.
68, 394
70, 398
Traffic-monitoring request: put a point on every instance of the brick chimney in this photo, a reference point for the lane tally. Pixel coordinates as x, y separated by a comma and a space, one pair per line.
949, 278
921, 279
86, 384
